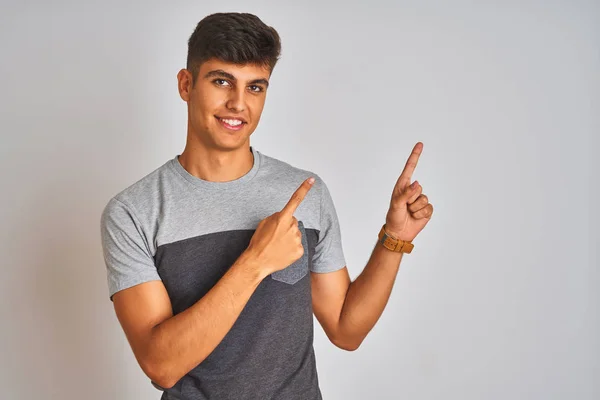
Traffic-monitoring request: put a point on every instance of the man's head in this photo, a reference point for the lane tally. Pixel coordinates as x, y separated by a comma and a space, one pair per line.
231, 57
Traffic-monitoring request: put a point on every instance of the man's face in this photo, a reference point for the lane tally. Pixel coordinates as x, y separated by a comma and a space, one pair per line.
223, 96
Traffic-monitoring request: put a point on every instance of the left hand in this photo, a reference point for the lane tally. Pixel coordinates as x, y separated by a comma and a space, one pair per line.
409, 209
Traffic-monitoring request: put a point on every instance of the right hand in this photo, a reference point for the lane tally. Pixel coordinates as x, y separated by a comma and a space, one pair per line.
277, 241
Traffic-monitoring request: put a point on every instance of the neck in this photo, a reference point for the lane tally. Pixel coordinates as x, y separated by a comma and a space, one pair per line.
216, 165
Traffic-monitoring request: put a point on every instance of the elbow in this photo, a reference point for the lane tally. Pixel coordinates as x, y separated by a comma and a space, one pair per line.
347, 345
157, 368
348, 348
163, 383
160, 376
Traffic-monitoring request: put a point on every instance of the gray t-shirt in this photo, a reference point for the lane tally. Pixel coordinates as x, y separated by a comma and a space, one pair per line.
187, 232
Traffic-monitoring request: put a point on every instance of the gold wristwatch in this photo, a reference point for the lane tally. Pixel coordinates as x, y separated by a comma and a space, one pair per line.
391, 243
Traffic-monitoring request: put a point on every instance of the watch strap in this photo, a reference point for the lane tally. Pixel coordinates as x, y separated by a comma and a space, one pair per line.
393, 244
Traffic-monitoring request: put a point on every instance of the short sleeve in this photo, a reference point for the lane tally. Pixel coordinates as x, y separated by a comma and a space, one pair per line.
328, 255
126, 255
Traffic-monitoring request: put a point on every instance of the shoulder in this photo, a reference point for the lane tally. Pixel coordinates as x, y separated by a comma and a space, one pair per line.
140, 194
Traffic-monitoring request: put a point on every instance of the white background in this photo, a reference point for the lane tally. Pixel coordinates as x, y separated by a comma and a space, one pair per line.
499, 299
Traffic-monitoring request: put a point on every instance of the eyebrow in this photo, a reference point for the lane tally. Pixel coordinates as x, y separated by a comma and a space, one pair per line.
220, 72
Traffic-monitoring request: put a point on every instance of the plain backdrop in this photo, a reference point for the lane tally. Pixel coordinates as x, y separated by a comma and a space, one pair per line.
500, 298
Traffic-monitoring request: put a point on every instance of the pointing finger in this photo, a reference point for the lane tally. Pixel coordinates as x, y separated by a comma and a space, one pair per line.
410, 166
297, 197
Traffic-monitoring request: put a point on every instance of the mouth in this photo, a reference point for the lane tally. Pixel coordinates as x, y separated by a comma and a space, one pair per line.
231, 124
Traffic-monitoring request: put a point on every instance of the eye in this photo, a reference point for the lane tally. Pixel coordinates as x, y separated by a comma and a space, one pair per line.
219, 80
256, 88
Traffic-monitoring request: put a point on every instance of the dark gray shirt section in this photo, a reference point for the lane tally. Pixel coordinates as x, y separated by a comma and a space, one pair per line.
185, 231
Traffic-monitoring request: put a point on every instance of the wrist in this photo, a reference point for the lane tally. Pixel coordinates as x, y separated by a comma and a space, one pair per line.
251, 264
396, 235
394, 243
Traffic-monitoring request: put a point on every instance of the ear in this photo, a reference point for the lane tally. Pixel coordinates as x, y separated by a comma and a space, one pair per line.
184, 84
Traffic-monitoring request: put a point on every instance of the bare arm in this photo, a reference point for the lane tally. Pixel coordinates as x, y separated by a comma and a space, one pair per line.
167, 347
347, 310
368, 295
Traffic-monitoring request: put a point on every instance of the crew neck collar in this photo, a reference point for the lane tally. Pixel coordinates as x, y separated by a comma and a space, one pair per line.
204, 184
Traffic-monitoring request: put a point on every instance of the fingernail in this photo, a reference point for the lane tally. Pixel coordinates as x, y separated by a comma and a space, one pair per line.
414, 184
311, 180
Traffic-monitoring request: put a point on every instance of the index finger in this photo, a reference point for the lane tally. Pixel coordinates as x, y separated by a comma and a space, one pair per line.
411, 164
297, 197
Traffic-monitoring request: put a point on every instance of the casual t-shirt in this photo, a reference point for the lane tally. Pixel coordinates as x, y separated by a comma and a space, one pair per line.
185, 231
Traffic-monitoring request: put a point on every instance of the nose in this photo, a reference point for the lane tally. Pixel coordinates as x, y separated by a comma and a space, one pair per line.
236, 101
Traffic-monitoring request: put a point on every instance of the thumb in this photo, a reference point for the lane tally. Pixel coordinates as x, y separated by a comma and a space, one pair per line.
409, 192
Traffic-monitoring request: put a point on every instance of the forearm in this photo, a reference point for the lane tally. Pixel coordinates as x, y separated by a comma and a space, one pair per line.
183, 341
367, 296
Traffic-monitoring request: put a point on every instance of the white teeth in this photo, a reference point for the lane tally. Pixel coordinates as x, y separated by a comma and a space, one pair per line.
232, 122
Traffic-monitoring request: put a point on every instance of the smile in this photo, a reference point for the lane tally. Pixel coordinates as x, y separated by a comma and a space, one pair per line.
231, 124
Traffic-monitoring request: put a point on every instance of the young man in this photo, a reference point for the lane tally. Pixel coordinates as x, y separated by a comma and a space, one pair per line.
218, 259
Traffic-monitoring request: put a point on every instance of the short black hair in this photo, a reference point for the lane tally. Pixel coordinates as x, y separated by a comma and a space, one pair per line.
239, 38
